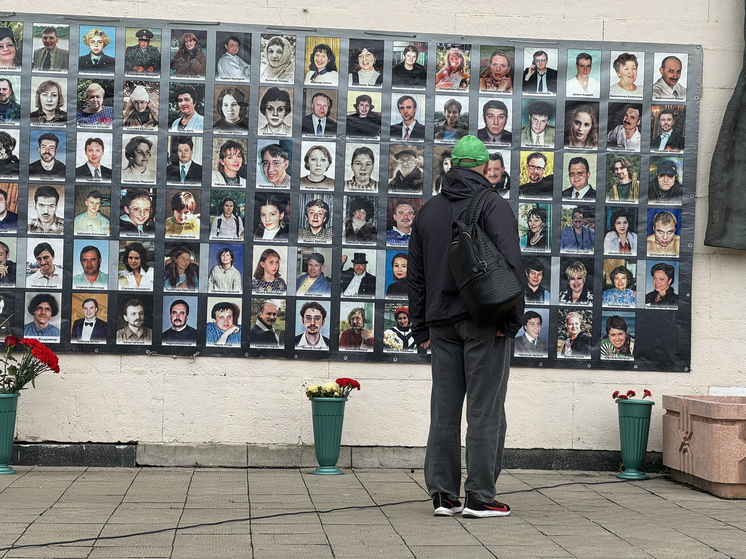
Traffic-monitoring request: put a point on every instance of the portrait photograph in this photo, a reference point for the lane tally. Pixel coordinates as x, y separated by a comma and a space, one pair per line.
134, 322
357, 278
51, 47
360, 220
232, 56
223, 322
364, 114
273, 159
409, 65
617, 336
408, 117
356, 326
231, 114
317, 167
88, 318
538, 123
396, 274
670, 74
626, 75
91, 264
620, 230
319, 112
535, 227
315, 271
46, 209
321, 61
42, 319
188, 54
227, 214
495, 122
532, 339
314, 221
538, 279
183, 213
8, 261
574, 333
662, 285
579, 174
184, 160
452, 66
9, 149
666, 180
44, 258
48, 98
539, 75
137, 211
135, 271
139, 158
581, 124
181, 267
270, 265
7, 314
362, 163
365, 65
312, 325
496, 69
400, 213
8, 207
451, 115
536, 178
180, 320
664, 232
583, 73
93, 157
441, 165
226, 268
268, 323
97, 49
95, 103
272, 217
142, 52
576, 281
229, 162
92, 211
186, 107
578, 229
397, 329
275, 111
141, 100
277, 63
623, 179
47, 155
668, 130
619, 283
405, 169
624, 127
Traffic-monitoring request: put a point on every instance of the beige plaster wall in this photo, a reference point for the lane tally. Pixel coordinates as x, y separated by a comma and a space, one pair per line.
160, 399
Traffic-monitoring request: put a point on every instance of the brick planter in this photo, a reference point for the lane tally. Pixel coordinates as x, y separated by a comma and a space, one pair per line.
704, 442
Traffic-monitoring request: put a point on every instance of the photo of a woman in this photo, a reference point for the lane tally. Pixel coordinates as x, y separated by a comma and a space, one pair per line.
536, 235
139, 163
49, 102
625, 67
497, 77
322, 68
272, 222
136, 274
619, 239
95, 114
317, 161
278, 60
399, 289
180, 271
365, 69
621, 295
229, 223
578, 293
231, 159
454, 74
232, 106
190, 60
582, 125
225, 278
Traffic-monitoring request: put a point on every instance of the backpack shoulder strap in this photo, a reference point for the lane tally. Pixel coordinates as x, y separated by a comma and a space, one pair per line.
476, 205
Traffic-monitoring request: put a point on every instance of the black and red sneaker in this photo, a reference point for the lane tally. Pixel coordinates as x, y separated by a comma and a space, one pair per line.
445, 506
475, 509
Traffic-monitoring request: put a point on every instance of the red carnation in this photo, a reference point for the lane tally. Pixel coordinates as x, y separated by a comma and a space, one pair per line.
630, 393
623, 397
615, 395
646, 393
11, 341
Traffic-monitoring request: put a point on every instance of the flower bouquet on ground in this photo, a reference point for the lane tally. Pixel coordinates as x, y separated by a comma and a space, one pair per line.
37, 359
327, 408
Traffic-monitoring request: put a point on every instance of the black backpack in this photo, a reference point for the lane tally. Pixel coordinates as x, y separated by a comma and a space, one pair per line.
485, 282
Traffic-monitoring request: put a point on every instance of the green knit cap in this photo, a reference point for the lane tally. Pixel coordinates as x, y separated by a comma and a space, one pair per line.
469, 147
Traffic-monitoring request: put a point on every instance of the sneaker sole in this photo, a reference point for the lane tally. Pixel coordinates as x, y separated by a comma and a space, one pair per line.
470, 513
443, 511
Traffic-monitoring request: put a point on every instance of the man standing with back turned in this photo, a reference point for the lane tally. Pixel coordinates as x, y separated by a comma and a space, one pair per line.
467, 360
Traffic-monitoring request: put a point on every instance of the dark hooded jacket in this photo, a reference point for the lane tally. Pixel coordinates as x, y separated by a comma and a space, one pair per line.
433, 297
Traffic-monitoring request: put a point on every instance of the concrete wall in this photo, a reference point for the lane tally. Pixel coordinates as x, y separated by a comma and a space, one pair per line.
160, 399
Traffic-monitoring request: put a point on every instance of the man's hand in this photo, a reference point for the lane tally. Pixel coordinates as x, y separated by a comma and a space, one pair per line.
365, 334
425, 344
138, 69
499, 334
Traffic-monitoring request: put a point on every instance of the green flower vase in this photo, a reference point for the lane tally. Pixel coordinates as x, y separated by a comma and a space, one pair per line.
634, 427
8, 406
328, 416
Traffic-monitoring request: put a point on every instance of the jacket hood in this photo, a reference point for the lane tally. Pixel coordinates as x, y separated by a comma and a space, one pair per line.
460, 183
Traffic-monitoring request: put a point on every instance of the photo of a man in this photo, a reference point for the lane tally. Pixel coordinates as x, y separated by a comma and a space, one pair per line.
95, 153
357, 330
407, 118
320, 110
43, 322
92, 221
43, 218
141, 56
91, 328
44, 272
262, 333
183, 168
180, 331
91, 276
495, 119
48, 167
7, 266
51, 57
312, 322
133, 320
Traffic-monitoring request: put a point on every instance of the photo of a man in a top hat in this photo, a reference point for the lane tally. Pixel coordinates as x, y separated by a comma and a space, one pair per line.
142, 58
356, 281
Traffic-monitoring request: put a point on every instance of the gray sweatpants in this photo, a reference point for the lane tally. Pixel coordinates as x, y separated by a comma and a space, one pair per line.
467, 361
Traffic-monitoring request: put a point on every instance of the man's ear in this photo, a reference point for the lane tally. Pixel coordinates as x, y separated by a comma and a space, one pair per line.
485, 168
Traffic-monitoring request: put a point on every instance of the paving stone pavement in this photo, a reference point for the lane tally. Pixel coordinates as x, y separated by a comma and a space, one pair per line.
206, 513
